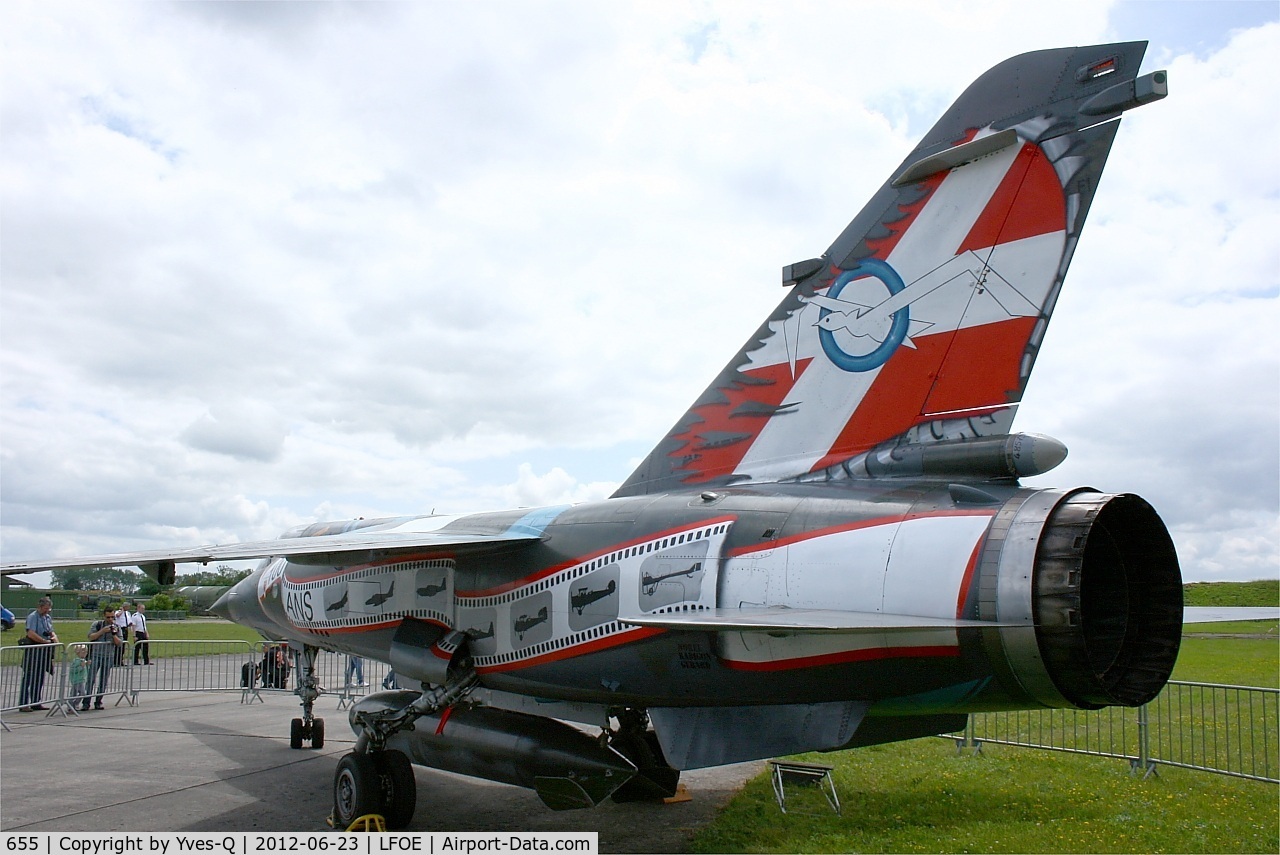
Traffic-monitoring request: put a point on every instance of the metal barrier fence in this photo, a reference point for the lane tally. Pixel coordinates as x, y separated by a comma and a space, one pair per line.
44, 675
1231, 730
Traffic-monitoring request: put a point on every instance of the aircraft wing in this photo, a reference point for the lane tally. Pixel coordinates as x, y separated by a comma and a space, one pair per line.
799, 620
1218, 614
339, 549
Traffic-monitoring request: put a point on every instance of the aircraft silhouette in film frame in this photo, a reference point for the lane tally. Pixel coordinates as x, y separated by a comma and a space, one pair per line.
831, 547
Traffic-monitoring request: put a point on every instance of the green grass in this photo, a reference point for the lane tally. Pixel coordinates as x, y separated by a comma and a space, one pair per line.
1233, 661
171, 630
919, 796
1270, 628
1264, 592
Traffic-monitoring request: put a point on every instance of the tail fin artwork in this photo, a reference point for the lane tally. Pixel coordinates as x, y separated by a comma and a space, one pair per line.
917, 329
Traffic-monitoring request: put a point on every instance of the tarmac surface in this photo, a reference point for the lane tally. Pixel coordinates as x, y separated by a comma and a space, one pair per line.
185, 761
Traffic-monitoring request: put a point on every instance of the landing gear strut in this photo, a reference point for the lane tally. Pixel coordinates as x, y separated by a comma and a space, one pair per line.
308, 728
375, 779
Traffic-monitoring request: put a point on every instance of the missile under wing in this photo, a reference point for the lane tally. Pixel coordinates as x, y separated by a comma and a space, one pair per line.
830, 548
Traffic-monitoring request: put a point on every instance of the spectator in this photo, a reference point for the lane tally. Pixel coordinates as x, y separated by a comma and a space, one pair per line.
141, 646
105, 635
355, 668
122, 623
7, 620
37, 659
78, 674
275, 667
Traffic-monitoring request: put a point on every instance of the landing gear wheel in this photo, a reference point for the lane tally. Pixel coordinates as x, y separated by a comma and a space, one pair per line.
357, 789
300, 732
399, 788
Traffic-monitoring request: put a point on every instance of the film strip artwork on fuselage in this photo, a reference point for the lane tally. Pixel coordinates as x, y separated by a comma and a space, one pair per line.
368, 596
576, 608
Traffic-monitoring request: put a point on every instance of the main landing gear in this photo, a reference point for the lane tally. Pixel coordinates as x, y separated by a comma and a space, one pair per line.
378, 782
375, 779
308, 728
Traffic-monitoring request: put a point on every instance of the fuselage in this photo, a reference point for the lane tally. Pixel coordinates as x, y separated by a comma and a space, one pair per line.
550, 618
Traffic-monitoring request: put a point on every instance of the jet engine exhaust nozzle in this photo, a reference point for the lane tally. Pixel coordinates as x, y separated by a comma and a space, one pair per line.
1100, 583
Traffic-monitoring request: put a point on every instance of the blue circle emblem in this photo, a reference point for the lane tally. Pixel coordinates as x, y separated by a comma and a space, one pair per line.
889, 277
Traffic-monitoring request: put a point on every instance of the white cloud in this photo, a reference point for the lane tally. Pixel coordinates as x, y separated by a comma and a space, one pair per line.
348, 260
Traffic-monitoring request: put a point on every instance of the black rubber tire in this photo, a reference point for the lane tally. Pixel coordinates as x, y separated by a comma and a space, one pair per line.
317, 733
399, 789
357, 789
295, 733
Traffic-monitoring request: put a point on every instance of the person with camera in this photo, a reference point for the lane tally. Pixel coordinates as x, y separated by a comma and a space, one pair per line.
106, 640
37, 655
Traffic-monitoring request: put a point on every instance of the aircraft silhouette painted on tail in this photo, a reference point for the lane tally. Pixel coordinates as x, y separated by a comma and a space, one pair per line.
848, 487
340, 604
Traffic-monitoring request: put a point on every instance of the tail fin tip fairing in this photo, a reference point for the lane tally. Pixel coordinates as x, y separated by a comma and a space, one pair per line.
921, 322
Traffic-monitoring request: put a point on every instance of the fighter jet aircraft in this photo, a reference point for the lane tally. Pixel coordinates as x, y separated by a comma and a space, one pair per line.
869, 568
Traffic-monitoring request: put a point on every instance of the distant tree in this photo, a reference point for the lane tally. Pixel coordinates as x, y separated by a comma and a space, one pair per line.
68, 580
165, 603
149, 587
98, 579
222, 575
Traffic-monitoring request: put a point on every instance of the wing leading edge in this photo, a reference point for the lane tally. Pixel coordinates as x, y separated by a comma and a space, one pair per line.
339, 549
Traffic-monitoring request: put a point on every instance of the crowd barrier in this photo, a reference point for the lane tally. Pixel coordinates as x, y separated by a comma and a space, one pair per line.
175, 666
1231, 730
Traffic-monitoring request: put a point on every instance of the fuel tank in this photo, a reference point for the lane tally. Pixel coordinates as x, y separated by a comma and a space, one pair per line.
566, 767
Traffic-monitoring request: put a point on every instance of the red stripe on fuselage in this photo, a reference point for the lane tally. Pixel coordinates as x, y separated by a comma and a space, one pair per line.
868, 654
858, 525
637, 634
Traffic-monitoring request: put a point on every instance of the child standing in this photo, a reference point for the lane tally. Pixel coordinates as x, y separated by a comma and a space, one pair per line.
79, 673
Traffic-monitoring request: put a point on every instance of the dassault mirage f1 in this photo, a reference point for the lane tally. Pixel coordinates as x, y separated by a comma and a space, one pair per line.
831, 548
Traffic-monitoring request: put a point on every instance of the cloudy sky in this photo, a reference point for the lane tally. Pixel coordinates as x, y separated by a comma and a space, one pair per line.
264, 264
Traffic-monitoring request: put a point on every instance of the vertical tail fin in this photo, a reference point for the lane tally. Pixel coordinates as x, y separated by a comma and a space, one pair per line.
924, 317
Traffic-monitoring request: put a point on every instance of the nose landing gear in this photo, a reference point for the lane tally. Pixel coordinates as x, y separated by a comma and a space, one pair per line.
308, 728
